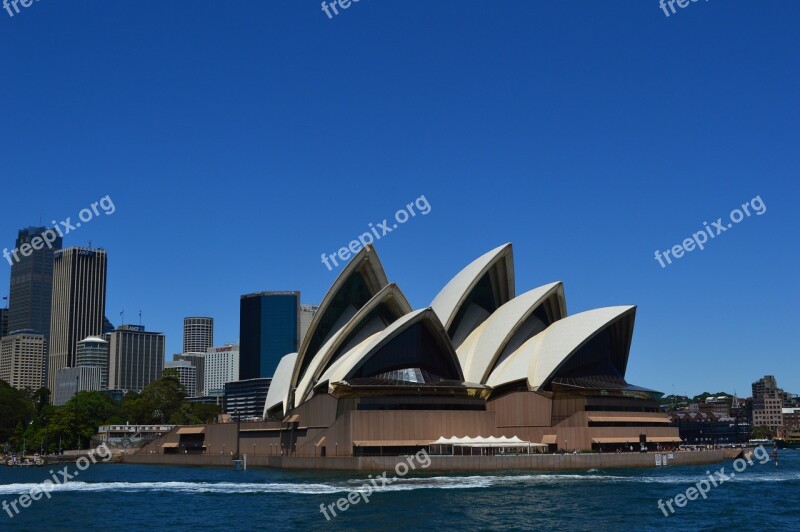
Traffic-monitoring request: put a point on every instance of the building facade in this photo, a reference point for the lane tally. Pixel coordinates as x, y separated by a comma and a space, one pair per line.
765, 385
3, 322
198, 360
710, 428
30, 296
22, 360
720, 406
791, 419
306, 315
187, 375
198, 334
269, 328
70, 381
221, 367
768, 411
93, 352
245, 399
136, 358
78, 304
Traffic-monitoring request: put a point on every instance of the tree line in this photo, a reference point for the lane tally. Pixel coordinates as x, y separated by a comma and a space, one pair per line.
28, 419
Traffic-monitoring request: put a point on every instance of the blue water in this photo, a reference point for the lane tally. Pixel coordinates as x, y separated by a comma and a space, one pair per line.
130, 497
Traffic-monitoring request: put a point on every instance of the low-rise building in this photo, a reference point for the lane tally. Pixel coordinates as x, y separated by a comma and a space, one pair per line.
791, 419
130, 436
244, 400
709, 428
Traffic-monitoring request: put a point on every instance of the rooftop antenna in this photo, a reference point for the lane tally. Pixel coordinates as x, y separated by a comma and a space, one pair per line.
140, 317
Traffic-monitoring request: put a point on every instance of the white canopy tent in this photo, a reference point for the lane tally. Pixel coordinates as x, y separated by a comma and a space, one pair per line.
489, 442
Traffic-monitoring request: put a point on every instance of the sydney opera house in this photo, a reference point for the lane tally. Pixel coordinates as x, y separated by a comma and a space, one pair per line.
375, 376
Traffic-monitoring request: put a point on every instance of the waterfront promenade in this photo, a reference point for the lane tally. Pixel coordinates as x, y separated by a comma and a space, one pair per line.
537, 462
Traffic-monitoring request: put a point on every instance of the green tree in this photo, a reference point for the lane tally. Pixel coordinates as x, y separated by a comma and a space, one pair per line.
93, 409
134, 410
705, 395
40, 400
206, 413
16, 413
61, 428
184, 416
762, 432
157, 403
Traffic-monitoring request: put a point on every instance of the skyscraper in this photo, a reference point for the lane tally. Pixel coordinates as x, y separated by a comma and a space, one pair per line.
22, 360
79, 302
93, 352
32, 281
3, 322
136, 358
198, 360
198, 334
306, 315
269, 328
70, 381
187, 375
222, 367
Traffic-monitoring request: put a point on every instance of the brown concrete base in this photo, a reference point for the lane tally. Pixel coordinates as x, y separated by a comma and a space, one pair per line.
546, 462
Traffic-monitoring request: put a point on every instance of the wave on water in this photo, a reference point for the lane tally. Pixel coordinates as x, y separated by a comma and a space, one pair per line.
184, 487
400, 484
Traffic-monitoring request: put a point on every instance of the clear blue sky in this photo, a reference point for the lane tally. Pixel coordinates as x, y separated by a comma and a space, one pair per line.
241, 140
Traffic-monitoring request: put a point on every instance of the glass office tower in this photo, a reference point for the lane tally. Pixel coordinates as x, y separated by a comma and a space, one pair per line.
32, 281
78, 304
269, 328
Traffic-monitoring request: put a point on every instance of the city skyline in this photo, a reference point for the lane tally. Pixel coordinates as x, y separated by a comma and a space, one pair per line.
720, 387
593, 167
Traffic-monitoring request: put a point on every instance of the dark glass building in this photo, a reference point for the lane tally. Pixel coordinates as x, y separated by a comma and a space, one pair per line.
245, 399
3, 322
30, 297
269, 328
709, 428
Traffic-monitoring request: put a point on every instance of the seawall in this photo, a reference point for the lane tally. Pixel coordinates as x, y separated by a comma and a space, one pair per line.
545, 462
